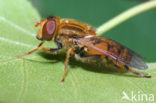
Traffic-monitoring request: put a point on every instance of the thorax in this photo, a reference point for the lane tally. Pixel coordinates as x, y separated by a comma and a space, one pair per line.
69, 29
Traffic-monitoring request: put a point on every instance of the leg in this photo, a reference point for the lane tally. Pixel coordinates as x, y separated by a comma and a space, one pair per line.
136, 73
41, 48
31, 50
66, 63
41, 43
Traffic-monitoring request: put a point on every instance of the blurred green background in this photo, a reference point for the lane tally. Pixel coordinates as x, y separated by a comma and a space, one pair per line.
138, 33
36, 78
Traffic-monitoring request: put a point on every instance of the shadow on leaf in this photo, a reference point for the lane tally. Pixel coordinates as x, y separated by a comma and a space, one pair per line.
73, 63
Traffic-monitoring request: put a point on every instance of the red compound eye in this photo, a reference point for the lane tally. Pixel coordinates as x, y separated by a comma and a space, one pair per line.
49, 29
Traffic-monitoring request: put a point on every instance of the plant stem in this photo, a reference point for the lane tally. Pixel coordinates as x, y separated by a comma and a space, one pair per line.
125, 16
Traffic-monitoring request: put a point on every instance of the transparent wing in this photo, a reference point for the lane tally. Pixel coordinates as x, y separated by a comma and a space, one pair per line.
114, 50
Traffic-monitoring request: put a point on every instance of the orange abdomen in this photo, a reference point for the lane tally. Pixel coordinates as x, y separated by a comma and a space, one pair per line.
109, 47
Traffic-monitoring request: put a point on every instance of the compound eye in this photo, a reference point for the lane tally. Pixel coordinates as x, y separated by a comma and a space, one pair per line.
49, 29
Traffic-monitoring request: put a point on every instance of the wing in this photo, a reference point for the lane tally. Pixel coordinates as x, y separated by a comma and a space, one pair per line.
109, 48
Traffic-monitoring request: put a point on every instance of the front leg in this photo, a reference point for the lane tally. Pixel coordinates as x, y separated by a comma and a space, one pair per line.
42, 48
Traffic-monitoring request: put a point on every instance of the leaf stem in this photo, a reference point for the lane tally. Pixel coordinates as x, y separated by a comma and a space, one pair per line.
125, 16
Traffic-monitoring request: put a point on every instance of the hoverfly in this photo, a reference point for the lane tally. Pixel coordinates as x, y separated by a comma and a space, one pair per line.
79, 40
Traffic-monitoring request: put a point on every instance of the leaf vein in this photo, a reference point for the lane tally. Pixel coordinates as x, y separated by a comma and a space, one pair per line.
24, 84
16, 42
16, 26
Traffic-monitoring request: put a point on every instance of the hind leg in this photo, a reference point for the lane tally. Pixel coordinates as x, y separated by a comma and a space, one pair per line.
136, 73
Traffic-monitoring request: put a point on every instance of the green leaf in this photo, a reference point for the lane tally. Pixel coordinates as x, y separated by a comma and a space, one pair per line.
36, 78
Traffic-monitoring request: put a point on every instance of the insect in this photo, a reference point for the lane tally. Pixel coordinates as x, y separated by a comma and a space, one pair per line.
79, 39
